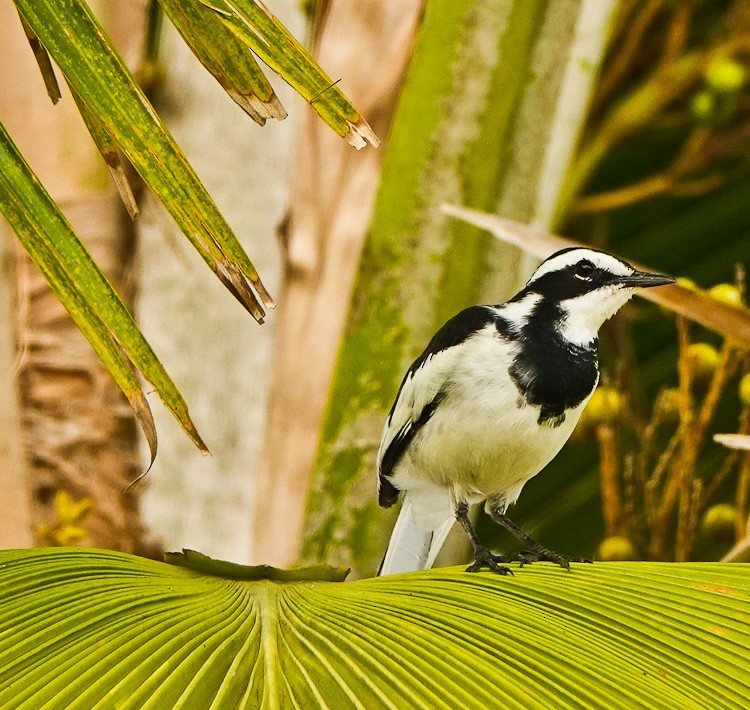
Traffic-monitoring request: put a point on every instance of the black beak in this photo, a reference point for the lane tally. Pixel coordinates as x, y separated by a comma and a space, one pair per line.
642, 279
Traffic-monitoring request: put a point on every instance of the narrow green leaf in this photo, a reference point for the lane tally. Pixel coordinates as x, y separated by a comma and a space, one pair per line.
87, 628
94, 70
108, 150
259, 30
43, 61
84, 317
105, 321
228, 59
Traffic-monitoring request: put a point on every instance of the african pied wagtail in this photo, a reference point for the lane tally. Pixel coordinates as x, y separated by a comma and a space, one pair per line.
490, 402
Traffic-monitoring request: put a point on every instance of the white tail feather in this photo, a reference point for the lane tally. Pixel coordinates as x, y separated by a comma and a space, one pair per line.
412, 548
438, 540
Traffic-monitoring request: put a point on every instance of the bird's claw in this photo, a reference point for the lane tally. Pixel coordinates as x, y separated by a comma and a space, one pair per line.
542, 554
525, 557
484, 558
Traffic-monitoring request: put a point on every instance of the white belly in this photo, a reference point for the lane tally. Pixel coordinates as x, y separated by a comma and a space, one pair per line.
481, 442
482, 450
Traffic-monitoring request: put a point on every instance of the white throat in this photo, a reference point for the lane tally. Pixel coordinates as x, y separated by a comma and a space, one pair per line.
584, 315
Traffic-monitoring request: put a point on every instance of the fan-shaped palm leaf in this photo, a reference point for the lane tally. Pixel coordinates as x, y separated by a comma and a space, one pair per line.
88, 628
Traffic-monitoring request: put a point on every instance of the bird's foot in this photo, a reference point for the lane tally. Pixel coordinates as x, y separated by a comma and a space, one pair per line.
484, 558
542, 554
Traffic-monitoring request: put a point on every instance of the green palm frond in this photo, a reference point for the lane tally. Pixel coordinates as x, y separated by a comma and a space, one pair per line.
121, 120
90, 628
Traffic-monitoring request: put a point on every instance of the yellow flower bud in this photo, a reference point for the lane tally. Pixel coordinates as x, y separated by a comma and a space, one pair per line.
703, 105
744, 390
703, 359
668, 405
726, 76
687, 283
719, 522
726, 293
616, 549
604, 407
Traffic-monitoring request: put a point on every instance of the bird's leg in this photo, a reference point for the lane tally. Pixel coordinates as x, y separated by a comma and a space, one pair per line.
482, 556
534, 552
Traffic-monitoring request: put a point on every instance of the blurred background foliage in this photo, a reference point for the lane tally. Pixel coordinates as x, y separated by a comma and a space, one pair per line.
658, 175
656, 149
669, 188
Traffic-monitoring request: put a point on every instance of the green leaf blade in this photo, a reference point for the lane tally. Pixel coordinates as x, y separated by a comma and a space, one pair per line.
80, 627
259, 30
108, 150
69, 269
102, 81
43, 62
228, 59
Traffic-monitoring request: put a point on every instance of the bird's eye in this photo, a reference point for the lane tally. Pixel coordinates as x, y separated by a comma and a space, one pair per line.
585, 270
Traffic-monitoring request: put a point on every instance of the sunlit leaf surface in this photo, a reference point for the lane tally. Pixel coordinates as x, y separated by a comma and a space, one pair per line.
90, 628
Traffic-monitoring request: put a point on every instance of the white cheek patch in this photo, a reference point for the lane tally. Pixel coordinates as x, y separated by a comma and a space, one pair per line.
584, 315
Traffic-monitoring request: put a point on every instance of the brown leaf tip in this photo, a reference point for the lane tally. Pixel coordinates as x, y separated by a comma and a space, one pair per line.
258, 109
360, 134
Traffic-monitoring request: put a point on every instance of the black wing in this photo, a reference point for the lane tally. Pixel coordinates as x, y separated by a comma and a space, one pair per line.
420, 393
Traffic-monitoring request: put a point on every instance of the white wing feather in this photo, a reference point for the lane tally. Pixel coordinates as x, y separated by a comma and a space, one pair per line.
420, 387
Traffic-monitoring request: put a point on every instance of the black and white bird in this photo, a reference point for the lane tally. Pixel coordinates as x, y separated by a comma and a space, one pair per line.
491, 401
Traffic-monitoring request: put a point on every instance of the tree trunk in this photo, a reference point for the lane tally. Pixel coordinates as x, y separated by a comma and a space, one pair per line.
368, 46
79, 434
15, 522
218, 357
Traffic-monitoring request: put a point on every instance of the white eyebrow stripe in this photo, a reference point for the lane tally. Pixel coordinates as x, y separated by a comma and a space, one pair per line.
598, 259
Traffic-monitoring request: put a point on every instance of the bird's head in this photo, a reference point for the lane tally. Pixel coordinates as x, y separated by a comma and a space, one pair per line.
586, 287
